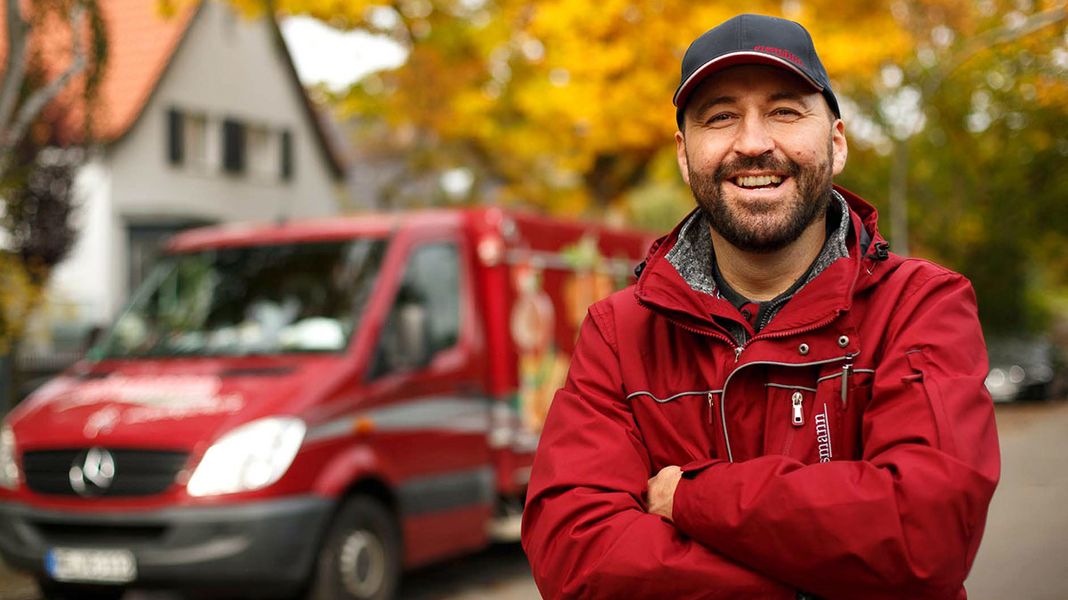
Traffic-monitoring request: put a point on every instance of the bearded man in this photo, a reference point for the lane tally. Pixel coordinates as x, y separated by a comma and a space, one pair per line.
779, 407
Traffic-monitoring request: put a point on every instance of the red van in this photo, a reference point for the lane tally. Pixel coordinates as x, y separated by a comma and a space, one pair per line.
305, 408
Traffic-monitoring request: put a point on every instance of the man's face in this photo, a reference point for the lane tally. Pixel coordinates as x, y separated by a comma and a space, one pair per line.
759, 150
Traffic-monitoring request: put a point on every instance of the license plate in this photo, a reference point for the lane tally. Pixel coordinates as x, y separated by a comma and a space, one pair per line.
91, 566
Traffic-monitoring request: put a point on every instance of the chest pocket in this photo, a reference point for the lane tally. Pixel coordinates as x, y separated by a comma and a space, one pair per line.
677, 428
812, 417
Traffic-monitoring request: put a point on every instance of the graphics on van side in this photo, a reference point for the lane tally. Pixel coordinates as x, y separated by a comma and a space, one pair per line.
533, 322
543, 365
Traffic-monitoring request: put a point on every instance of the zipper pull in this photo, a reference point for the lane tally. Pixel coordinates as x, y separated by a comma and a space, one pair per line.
845, 383
799, 414
709, 408
738, 353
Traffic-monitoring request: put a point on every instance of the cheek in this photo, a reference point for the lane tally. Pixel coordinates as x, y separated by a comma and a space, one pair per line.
705, 150
806, 146
808, 155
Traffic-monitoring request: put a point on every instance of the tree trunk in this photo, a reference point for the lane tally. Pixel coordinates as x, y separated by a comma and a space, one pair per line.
899, 207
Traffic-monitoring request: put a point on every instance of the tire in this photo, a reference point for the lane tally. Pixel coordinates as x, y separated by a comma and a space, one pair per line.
51, 590
361, 555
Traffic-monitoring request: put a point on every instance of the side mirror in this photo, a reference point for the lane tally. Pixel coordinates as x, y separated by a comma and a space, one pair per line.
412, 334
405, 340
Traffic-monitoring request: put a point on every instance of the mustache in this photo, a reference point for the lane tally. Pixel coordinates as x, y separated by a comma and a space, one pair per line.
764, 162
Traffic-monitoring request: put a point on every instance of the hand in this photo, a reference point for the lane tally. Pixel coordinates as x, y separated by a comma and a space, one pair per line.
661, 491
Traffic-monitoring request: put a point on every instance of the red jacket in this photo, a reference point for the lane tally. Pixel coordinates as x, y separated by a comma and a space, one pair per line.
847, 450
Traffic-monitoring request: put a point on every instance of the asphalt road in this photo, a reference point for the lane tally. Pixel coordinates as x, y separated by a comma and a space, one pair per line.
1025, 548
1023, 557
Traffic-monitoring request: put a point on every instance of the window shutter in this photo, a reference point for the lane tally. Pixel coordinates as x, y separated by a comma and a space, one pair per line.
175, 137
233, 146
287, 155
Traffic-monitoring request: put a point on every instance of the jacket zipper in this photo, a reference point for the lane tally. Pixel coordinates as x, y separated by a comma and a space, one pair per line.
738, 353
723, 393
738, 348
845, 381
710, 407
799, 412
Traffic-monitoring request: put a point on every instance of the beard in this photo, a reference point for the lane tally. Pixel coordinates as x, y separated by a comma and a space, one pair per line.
770, 225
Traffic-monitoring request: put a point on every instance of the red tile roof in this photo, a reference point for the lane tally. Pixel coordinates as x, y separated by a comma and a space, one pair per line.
141, 42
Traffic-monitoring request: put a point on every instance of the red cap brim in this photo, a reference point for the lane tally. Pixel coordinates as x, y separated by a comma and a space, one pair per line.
733, 59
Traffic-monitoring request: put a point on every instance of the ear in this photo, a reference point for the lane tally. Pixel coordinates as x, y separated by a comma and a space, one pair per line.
840, 148
680, 155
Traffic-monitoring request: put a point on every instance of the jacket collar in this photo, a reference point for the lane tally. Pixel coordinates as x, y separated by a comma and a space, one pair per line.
677, 278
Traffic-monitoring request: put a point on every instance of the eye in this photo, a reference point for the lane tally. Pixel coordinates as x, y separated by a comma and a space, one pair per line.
719, 119
784, 112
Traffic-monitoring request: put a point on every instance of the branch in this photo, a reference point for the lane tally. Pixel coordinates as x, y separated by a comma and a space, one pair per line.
15, 67
997, 37
40, 98
403, 29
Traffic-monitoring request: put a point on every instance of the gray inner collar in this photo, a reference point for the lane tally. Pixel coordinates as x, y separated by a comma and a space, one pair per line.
693, 256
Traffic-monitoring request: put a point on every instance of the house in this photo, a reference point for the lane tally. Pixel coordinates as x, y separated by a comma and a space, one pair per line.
200, 119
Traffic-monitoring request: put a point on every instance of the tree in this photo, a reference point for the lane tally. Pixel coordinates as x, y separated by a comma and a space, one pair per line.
972, 128
952, 109
39, 81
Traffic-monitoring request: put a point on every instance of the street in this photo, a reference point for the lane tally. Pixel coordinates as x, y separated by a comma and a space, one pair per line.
1022, 556
1026, 541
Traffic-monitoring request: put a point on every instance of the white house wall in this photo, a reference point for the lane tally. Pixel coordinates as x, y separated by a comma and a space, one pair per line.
227, 67
81, 283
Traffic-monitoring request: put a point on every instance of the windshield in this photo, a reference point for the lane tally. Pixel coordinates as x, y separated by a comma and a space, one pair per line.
302, 297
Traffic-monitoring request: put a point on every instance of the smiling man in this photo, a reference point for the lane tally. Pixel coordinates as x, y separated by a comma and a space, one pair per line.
779, 407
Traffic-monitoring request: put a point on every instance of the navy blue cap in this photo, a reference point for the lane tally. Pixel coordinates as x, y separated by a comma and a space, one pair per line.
748, 40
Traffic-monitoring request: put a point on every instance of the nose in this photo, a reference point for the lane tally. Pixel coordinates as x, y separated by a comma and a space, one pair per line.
752, 137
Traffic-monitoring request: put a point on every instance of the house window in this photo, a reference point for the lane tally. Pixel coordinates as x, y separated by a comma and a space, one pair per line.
197, 141
287, 156
190, 140
175, 137
263, 152
234, 145
145, 245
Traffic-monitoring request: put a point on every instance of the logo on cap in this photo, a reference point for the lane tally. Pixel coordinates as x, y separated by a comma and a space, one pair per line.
92, 473
781, 53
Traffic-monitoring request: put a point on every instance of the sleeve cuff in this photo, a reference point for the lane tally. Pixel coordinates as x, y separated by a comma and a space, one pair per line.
682, 503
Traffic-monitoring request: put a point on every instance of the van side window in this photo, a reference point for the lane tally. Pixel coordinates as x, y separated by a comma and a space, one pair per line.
425, 318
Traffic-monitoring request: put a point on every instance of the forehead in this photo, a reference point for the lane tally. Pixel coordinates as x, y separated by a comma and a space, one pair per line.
747, 82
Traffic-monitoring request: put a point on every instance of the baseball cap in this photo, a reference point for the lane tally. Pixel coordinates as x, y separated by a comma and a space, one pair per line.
748, 40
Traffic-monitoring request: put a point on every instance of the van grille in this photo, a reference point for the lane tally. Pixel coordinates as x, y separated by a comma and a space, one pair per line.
137, 472
112, 534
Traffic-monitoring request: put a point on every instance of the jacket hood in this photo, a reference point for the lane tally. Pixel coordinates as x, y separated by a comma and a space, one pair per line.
662, 288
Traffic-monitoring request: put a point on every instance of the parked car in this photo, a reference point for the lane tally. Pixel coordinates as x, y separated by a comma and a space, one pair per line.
1025, 369
305, 407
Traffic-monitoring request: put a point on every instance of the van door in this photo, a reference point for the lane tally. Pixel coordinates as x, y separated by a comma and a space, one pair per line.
431, 416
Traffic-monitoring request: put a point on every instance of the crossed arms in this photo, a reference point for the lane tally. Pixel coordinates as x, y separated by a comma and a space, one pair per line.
905, 520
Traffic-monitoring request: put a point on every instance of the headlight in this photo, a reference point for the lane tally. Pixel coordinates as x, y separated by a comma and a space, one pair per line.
9, 466
251, 457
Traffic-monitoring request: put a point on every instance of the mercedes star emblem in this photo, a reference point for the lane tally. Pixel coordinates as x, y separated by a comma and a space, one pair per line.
92, 472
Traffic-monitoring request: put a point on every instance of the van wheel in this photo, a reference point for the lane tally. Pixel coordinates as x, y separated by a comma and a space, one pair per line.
361, 558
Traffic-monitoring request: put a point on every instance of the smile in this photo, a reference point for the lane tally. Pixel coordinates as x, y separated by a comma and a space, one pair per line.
757, 181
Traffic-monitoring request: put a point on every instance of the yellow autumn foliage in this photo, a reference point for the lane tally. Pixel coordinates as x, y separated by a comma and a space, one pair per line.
566, 104
19, 294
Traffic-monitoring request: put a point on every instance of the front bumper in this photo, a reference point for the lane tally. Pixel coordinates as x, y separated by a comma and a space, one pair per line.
268, 545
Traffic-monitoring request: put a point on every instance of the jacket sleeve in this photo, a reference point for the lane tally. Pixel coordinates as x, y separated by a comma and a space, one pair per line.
905, 520
585, 530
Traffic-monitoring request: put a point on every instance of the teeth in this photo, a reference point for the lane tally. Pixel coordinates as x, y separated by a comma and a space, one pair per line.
759, 180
